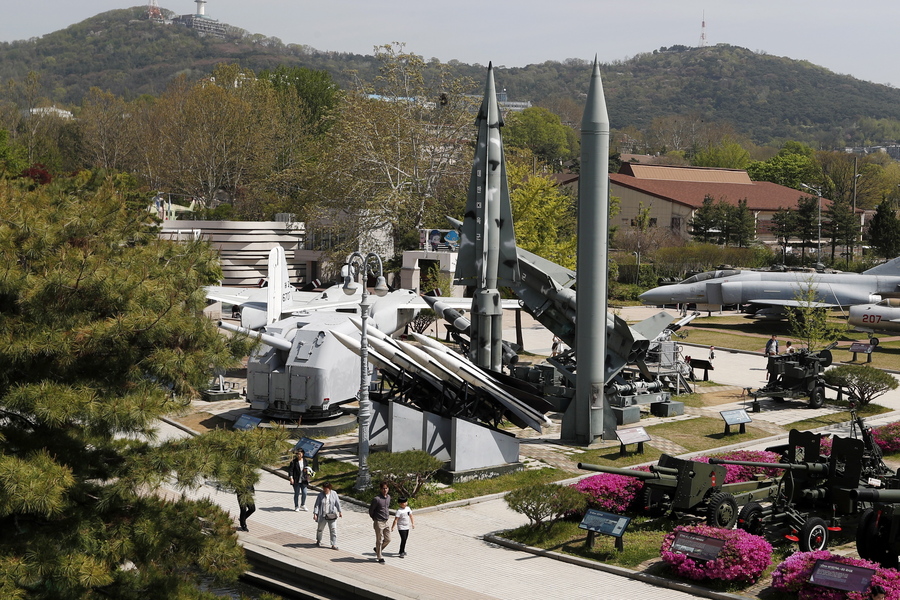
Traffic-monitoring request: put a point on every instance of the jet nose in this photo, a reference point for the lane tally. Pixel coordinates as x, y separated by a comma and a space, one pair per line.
655, 296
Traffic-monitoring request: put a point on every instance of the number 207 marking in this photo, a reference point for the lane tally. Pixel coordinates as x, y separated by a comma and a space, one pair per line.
871, 318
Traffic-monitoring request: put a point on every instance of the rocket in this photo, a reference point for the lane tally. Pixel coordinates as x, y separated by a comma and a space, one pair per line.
589, 416
487, 245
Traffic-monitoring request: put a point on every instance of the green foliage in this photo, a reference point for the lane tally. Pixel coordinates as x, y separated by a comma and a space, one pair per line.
726, 155
100, 336
544, 220
406, 471
676, 262
547, 501
788, 169
542, 132
724, 223
865, 382
884, 230
809, 323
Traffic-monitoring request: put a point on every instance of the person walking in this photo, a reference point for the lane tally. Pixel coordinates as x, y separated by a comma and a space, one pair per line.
772, 346
403, 521
246, 504
326, 511
379, 511
298, 473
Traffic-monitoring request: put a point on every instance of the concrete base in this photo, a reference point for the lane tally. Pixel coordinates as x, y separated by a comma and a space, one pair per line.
448, 477
216, 396
667, 409
626, 415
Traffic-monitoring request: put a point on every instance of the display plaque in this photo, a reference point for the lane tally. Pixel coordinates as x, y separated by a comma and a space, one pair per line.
632, 435
310, 447
697, 546
246, 423
849, 578
737, 416
605, 523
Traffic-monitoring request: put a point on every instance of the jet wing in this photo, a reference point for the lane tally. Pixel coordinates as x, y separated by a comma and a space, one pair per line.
791, 303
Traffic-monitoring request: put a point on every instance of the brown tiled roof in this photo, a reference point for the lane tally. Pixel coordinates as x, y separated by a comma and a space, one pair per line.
760, 195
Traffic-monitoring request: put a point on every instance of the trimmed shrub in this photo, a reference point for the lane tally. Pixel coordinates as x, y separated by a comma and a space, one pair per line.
888, 437
406, 472
743, 558
865, 382
546, 501
793, 576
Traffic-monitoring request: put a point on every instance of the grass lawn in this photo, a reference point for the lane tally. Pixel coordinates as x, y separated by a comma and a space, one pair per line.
869, 410
703, 433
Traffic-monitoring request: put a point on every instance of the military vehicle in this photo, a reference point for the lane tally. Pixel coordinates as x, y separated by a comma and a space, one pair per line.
797, 375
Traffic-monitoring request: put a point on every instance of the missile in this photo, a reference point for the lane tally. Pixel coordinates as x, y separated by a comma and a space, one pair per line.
487, 244
265, 338
592, 416
461, 324
411, 369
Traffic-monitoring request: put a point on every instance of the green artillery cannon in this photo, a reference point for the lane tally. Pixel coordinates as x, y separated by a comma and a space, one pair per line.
812, 498
797, 375
677, 485
878, 530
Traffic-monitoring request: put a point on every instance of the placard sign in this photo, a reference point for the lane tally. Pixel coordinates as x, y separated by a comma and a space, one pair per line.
861, 347
310, 447
697, 546
246, 423
632, 435
735, 417
605, 523
849, 578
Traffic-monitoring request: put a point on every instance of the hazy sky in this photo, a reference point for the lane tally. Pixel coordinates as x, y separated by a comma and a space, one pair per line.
858, 39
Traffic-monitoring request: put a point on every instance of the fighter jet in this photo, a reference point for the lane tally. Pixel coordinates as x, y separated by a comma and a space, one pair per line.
774, 291
882, 317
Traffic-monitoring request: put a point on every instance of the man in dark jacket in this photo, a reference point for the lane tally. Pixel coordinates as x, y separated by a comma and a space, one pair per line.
379, 511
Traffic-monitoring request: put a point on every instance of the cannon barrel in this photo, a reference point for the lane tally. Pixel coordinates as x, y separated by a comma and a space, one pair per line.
873, 495
626, 472
817, 468
265, 338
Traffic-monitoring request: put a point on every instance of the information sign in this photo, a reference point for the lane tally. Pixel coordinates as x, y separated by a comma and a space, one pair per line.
605, 523
632, 435
849, 578
861, 347
310, 447
697, 546
735, 417
246, 423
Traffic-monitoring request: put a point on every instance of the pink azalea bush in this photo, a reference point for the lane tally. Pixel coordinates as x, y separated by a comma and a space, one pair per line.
888, 437
609, 492
737, 473
743, 558
793, 576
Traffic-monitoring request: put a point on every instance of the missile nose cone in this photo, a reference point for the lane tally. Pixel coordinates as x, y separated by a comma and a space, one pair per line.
430, 300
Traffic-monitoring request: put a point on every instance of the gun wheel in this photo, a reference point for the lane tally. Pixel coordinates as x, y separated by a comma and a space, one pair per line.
817, 397
656, 503
722, 510
750, 518
813, 535
872, 540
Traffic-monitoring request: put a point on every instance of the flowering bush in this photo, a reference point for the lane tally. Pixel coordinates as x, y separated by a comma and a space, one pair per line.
825, 445
743, 558
888, 437
793, 576
737, 473
609, 492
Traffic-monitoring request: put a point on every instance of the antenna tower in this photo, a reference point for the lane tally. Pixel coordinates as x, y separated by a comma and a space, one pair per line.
703, 31
153, 12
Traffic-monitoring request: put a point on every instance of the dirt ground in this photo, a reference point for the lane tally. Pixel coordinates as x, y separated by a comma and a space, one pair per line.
201, 421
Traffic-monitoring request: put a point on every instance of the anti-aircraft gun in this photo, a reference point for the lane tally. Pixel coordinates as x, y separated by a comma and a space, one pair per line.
679, 486
797, 375
878, 530
813, 497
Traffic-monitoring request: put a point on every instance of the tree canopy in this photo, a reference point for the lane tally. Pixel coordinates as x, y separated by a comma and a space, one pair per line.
100, 336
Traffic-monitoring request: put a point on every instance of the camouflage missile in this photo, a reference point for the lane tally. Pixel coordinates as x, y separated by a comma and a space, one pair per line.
487, 245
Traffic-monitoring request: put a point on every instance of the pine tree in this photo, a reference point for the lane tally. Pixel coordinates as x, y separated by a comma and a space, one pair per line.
101, 333
884, 230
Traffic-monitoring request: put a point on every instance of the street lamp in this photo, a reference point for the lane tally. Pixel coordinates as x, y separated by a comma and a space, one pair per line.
819, 203
358, 266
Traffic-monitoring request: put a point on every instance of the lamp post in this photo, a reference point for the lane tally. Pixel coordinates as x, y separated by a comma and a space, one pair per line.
819, 205
358, 266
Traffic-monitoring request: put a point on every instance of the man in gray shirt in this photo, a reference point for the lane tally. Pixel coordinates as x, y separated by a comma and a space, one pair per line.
379, 511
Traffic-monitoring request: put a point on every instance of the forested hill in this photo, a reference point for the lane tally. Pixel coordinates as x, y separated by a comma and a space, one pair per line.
767, 98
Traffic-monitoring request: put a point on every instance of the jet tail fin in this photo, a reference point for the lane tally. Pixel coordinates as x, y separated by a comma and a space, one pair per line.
279, 284
891, 267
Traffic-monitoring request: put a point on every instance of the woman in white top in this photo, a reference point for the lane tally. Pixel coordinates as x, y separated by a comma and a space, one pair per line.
403, 521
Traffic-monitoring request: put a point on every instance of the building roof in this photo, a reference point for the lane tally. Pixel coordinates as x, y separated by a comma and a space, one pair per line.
690, 185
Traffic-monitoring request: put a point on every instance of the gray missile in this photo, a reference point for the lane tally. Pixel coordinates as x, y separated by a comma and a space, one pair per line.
461, 324
265, 338
487, 245
591, 416
374, 357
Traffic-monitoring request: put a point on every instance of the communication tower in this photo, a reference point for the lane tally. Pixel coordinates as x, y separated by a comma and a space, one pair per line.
703, 31
153, 12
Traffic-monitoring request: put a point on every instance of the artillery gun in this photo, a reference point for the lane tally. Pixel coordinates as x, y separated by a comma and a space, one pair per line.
797, 375
676, 485
878, 530
813, 497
